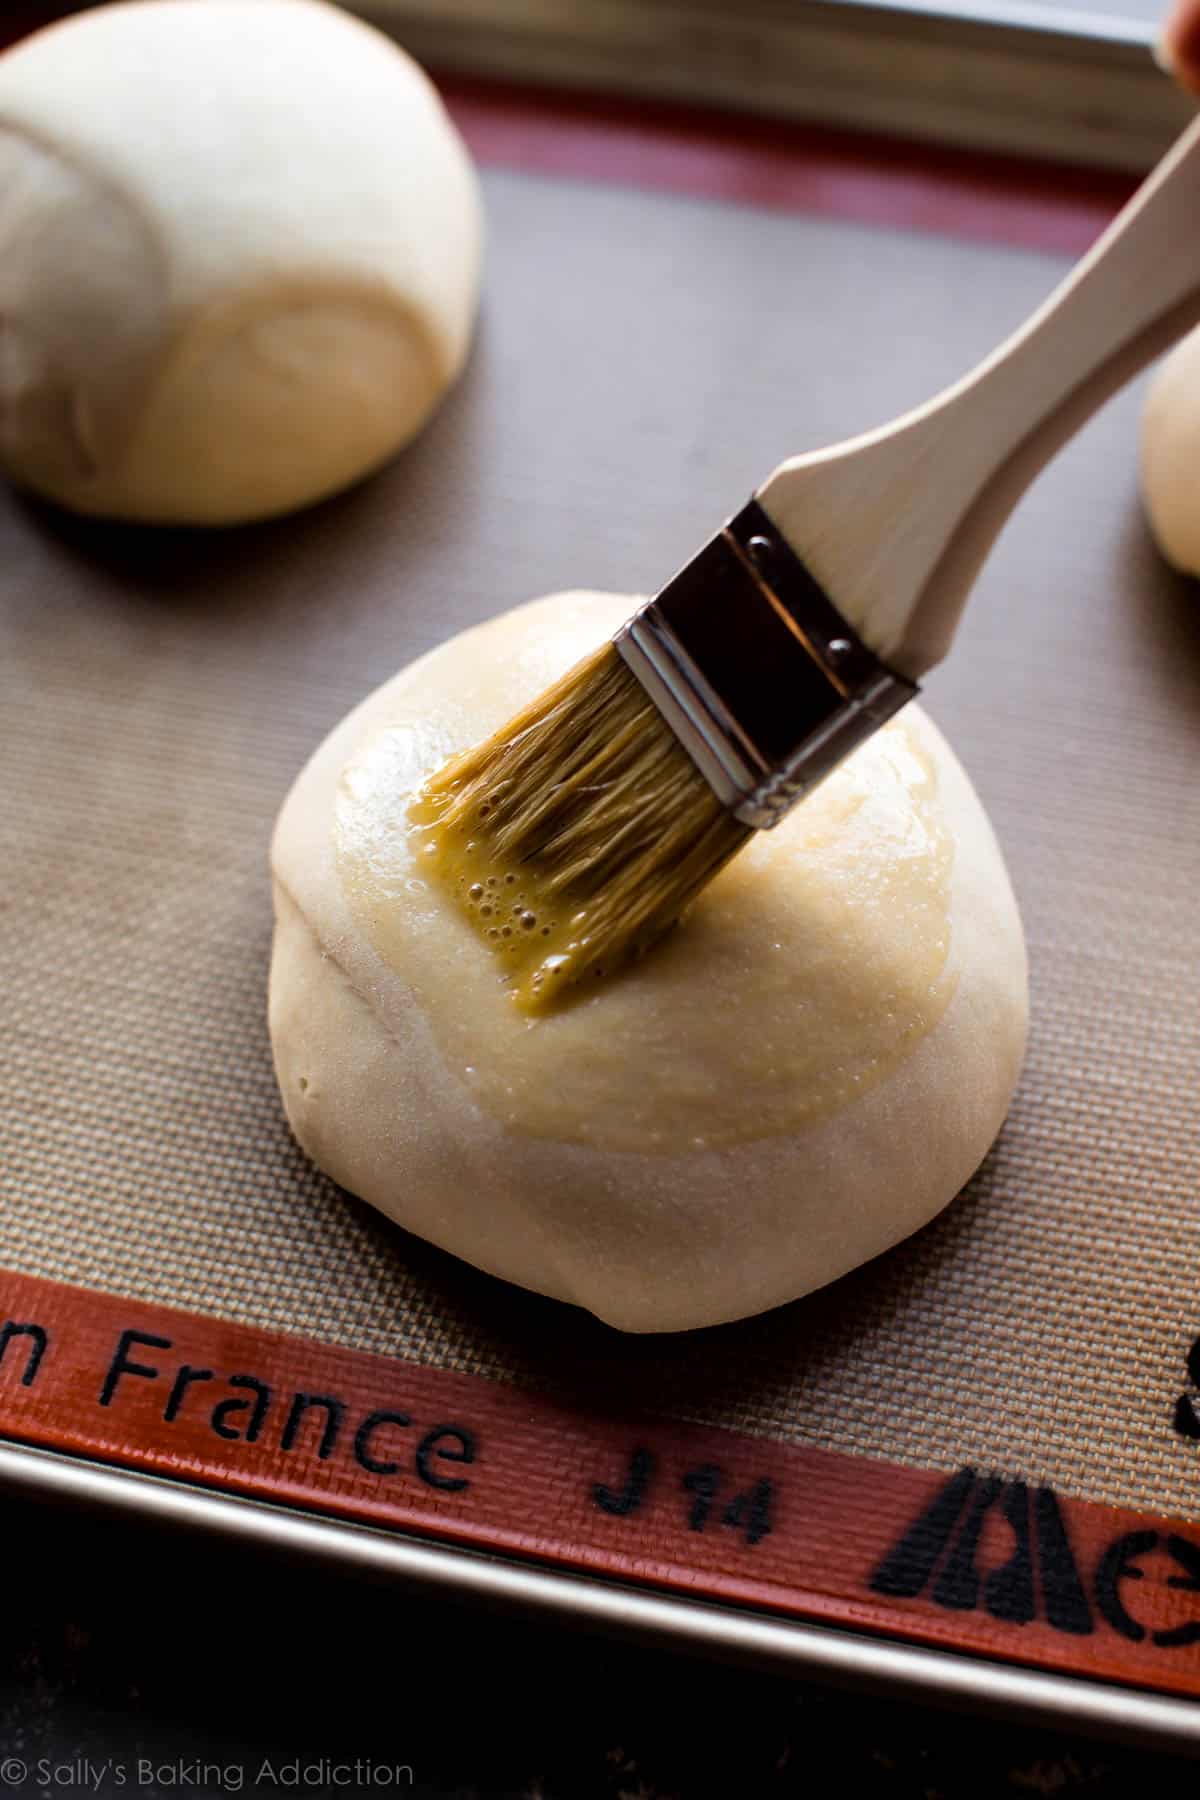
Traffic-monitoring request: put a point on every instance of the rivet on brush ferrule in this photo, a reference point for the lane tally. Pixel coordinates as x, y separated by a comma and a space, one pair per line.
756, 672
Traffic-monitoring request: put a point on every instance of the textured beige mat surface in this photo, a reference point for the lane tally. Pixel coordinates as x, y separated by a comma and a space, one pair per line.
642, 362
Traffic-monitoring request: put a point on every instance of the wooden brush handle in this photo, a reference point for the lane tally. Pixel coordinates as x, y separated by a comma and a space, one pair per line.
895, 524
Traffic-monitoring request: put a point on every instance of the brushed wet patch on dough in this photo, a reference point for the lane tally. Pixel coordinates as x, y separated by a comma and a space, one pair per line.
814, 964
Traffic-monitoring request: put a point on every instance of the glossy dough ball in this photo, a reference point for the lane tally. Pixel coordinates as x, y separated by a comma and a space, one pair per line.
239, 255
800, 1075
1171, 456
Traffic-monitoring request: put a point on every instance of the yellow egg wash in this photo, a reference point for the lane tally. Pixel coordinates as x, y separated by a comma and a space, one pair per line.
530, 930
815, 962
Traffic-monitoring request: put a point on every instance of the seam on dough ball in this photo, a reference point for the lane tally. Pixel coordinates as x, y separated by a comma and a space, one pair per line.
556, 1280
331, 957
247, 415
84, 340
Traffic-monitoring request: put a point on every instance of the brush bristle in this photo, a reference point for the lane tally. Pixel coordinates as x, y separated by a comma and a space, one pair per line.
588, 808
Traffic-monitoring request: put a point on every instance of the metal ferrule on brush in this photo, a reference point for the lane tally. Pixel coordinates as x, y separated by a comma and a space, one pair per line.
756, 672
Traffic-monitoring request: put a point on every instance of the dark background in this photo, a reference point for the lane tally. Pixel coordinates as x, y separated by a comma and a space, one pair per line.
123, 1642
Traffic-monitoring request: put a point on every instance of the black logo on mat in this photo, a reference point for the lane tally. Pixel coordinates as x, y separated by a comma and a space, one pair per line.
940, 1551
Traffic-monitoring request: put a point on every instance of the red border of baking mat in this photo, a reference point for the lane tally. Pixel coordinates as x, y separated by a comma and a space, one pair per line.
787, 166
967, 1560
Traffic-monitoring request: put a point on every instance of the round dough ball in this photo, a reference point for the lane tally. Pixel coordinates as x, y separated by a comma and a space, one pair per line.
239, 257
796, 1078
1171, 456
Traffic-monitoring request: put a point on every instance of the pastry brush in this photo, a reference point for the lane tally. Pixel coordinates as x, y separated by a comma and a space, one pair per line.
608, 804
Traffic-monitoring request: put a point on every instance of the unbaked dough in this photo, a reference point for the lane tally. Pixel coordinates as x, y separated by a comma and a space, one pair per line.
1171, 455
802, 1074
239, 257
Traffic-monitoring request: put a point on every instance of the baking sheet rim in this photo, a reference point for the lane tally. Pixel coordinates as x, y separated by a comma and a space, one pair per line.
735, 1633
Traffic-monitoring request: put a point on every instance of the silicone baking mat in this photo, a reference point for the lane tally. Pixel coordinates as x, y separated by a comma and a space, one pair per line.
932, 1448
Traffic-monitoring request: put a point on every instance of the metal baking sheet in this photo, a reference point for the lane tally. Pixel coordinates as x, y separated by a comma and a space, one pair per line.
1028, 77
643, 359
